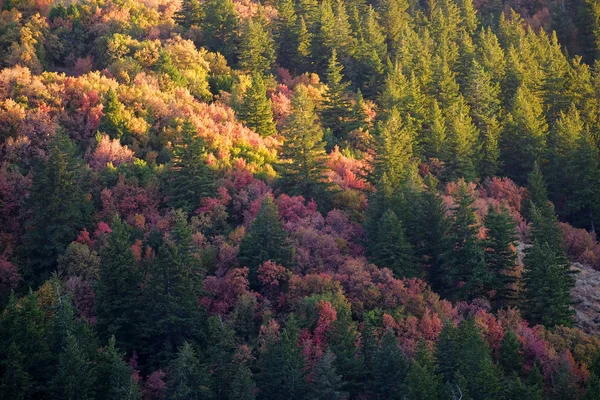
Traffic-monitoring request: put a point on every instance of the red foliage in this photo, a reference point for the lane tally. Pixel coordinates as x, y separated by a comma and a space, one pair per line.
9, 277
14, 189
129, 200
155, 387
223, 292
110, 151
272, 277
83, 297
581, 246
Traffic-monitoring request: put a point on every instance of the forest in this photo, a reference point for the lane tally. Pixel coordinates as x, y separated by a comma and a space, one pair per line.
299, 199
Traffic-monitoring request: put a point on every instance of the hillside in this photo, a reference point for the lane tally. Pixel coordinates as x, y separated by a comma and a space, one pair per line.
299, 199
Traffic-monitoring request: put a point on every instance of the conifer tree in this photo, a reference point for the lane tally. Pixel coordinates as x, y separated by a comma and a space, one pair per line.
326, 383
281, 366
395, 19
303, 150
501, 255
75, 378
117, 289
257, 48
305, 39
265, 240
58, 209
187, 377
511, 359
190, 14
434, 143
389, 368
242, 384
220, 28
336, 107
255, 110
115, 377
462, 138
170, 314
465, 270
524, 138
190, 178
286, 33
15, 382
391, 248
422, 381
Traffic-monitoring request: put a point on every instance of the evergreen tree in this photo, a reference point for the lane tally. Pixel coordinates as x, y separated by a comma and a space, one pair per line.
524, 138
75, 378
336, 107
501, 255
170, 314
255, 110
389, 368
547, 286
303, 150
117, 289
58, 209
190, 13
114, 121
188, 380
281, 366
422, 380
265, 240
190, 178
465, 271
462, 138
326, 383
220, 28
286, 34
15, 382
511, 359
257, 48
434, 143
303, 57
115, 377
391, 248
242, 384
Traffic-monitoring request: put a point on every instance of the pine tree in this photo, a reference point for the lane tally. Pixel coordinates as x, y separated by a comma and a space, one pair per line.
15, 382
265, 240
422, 381
326, 383
303, 57
395, 20
336, 107
303, 150
170, 313
547, 286
281, 366
391, 248
434, 144
190, 13
242, 384
58, 209
115, 377
466, 274
190, 178
257, 48
117, 289
255, 110
220, 28
389, 368
75, 378
511, 359
219, 355
286, 33
187, 377
524, 138
462, 138
501, 255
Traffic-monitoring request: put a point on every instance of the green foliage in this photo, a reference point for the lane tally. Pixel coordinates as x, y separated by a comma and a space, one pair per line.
75, 378
257, 49
189, 178
187, 377
220, 27
255, 111
58, 209
265, 240
115, 377
303, 151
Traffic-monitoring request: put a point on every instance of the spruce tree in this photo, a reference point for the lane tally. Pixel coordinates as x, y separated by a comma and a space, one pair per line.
391, 248
501, 256
326, 383
265, 240
255, 111
115, 377
220, 28
117, 288
422, 381
303, 150
286, 34
389, 367
58, 209
114, 120
15, 382
189, 178
336, 107
75, 378
510, 359
465, 270
170, 314
281, 366
187, 377
190, 13
257, 48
